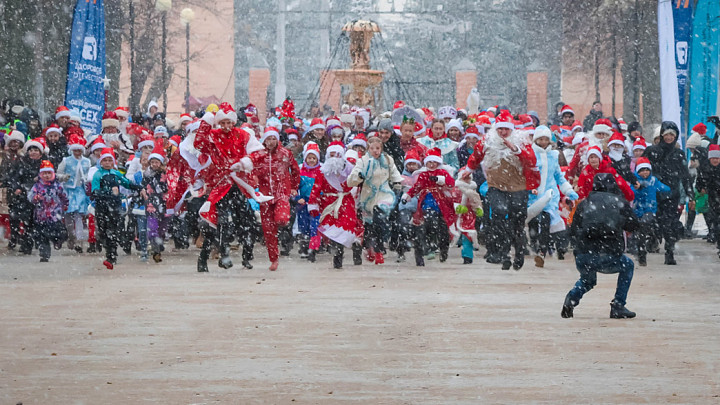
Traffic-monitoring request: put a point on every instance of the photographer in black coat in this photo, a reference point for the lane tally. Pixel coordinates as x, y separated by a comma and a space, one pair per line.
670, 167
597, 230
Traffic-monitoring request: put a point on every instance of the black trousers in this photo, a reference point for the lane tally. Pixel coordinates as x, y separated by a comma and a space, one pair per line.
433, 226
47, 233
668, 218
110, 224
646, 233
507, 221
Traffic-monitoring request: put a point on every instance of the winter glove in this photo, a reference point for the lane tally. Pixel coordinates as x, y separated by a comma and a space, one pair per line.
479, 212
440, 180
573, 196
461, 209
433, 178
405, 198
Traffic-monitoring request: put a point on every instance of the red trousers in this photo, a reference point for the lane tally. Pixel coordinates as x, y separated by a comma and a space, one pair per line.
274, 214
91, 229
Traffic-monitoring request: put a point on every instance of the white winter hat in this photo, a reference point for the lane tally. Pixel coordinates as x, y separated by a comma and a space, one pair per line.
542, 131
454, 123
16, 136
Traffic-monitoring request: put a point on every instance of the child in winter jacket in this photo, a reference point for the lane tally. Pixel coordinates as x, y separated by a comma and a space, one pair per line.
306, 224
435, 213
73, 173
469, 209
50, 201
620, 161
154, 184
645, 206
23, 175
106, 184
407, 209
597, 163
379, 177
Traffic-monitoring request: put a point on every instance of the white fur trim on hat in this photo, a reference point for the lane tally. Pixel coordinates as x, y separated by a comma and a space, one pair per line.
593, 151
110, 122
145, 143
636, 147
65, 113
317, 126
643, 166
432, 158
311, 152
104, 155
16, 136
335, 148
411, 161
578, 138
503, 124
357, 142
602, 128
616, 142
97, 146
269, 133
293, 136
454, 123
156, 156
221, 115
713, 154
33, 143
74, 146
54, 129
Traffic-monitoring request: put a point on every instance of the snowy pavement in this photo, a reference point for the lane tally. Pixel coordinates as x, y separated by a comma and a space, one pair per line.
73, 333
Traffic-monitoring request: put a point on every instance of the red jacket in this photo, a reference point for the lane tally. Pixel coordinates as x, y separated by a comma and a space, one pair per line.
445, 195
585, 182
527, 158
277, 172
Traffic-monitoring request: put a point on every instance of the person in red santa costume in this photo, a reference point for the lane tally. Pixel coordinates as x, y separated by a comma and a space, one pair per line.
435, 211
229, 178
510, 169
331, 199
278, 175
599, 163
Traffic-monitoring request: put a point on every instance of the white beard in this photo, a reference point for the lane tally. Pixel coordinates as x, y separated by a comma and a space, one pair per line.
615, 155
333, 166
595, 141
496, 151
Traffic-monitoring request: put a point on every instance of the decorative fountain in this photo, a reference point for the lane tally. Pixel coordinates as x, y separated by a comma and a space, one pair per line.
360, 85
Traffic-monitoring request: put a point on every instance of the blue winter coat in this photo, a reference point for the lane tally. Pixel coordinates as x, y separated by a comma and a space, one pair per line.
646, 196
551, 178
74, 175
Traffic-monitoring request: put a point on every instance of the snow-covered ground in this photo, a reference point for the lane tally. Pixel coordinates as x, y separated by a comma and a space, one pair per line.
71, 332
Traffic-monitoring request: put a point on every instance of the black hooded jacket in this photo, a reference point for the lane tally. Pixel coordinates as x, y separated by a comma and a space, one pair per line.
601, 218
669, 164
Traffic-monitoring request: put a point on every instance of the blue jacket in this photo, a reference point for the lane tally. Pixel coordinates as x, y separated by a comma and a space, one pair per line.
646, 195
551, 178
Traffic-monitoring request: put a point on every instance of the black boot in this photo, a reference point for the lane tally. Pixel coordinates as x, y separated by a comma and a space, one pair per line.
337, 261
419, 259
506, 264
618, 311
357, 254
443, 255
518, 262
202, 266
311, 256
225, 262
467, 260
560, 255
642, 259
670, 258
568, 306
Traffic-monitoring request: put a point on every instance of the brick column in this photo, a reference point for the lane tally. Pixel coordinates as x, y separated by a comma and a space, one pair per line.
465, 80
537, 93
259, 80
329, 90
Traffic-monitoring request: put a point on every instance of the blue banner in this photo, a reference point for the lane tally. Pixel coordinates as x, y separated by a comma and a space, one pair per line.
705, 63
85, 88
682, 19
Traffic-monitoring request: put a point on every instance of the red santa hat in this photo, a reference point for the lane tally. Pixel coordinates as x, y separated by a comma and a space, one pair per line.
226, 112
504, 120
713, 151
700, 129
53, 128
617, 139
603, 125
146, 139
46, 166
595, 150
484, 120
566, 109
158, 153
292, 133
473, 132
433, 155
419, 130
175, 140
526, 121
185, 118
270, 131
311, 148
333, 121
352, 156
336, 147
623, 124
359, 140
576, 125
16, 136
123, 112
639, 144
38, 142
412, 157
643, 163
62, 111
110, 119
76, 141
98, 143
316, 123
107, 153
398, 104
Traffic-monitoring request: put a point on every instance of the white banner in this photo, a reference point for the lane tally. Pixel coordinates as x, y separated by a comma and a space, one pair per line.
670, 98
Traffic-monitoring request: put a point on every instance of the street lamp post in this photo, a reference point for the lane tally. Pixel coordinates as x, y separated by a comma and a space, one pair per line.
186, 16
163, 6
